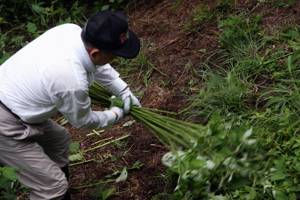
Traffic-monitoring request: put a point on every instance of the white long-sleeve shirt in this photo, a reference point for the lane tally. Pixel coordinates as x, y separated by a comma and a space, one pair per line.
53, 73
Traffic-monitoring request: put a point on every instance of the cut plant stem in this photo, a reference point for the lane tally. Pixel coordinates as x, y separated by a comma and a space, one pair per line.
107, 143
171, 132
95, 133
78, 163
103, 140
92, 185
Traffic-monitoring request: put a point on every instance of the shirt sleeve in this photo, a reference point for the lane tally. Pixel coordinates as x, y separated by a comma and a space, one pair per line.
107, 76
75, 105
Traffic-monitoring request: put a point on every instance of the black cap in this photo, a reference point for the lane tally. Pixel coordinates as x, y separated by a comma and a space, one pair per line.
108, 31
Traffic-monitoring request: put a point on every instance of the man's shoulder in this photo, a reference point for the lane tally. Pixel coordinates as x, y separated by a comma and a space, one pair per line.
66, 27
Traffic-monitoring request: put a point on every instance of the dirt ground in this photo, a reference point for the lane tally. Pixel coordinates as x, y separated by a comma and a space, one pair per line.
157, 24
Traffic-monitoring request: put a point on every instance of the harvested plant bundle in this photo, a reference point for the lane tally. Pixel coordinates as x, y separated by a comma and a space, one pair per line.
171, 132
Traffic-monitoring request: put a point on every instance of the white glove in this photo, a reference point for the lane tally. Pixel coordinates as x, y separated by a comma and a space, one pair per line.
126, 96
119, 113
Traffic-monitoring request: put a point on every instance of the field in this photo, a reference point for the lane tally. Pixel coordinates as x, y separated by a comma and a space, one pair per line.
230, 66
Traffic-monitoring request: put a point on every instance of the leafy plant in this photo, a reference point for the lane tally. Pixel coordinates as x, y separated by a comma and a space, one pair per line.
225, 158
229, 96
8, 182
237, 29
284, 96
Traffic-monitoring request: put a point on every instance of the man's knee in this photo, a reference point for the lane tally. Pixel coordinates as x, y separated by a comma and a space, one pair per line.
56, 191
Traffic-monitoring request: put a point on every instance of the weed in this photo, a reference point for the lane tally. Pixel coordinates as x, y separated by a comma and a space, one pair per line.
200, 15
204, 14
283, 3
227, 95
223, 7
237, 28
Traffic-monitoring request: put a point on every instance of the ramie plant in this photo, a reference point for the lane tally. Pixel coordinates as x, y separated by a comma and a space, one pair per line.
173, 133
223, 160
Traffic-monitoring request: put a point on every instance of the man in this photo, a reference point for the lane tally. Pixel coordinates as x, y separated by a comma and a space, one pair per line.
53, 73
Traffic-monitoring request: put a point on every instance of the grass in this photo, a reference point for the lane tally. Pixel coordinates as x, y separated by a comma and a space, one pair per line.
234, 90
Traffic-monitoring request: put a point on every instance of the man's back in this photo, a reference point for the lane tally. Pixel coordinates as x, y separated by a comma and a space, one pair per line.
50, 63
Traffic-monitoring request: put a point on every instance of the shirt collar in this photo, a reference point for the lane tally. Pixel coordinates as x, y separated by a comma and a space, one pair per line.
84, 57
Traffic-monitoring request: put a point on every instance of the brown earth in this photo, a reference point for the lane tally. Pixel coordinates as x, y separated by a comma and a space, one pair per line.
158, 25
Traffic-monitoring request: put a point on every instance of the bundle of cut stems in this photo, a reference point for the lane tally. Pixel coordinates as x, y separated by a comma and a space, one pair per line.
171, 132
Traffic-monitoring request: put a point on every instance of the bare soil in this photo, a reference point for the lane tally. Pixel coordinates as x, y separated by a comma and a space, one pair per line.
159, 25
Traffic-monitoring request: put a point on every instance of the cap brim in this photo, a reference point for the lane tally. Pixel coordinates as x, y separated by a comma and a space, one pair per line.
131, 49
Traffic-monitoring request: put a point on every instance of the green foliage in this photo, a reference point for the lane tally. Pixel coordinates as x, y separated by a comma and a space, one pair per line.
229, 96
200, 15
204, 14
283, 3
292, 37
136, 70
8, 182
226, 157
263, 94
32, 18
239, 30
284, 96
74, 147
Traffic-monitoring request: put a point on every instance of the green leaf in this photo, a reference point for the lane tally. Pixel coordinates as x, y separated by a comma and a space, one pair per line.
293, 34
196, 164
118, 102
297, 167
8, 196
37, 8
31, 27
123, 175
74, 147
16, 38
129, 123
292, 196
278, 176
238, 182
107, 193
280, 195
113, 159
105, 7
137, 165
68, 20
10, 173
75, 157
202, 50
280, 170
4, 58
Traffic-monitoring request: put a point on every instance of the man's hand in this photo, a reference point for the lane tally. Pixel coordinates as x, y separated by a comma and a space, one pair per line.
127, 96
119, 113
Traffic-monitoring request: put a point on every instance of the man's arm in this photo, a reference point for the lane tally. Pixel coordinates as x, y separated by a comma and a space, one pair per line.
110, 78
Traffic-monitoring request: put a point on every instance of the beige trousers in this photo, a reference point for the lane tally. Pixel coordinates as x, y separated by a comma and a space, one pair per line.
39, 151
